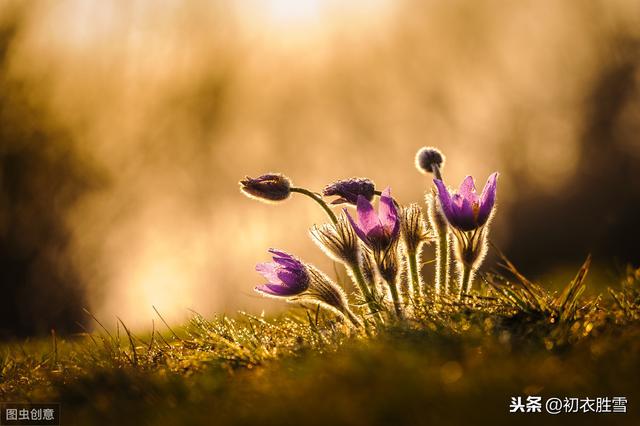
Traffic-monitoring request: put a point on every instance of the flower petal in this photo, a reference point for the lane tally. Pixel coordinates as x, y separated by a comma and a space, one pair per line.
269, 271
359, 232
280, 253
276, 290
367, 217
462, 212
487, 199
388, 214
291, 278
468, 189
444, 197
339, 201
285, 259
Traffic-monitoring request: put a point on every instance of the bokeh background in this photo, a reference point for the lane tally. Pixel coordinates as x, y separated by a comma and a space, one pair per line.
125, 126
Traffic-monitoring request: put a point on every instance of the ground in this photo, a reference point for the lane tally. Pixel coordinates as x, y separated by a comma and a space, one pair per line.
454, 363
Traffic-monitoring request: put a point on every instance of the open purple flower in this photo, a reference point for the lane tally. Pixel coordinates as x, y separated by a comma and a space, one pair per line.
287, 276
465, 210
377, 230
349, 189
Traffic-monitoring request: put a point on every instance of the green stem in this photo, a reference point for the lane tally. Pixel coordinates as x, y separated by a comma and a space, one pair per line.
415, 278
318, 199
359, 279
364, 289
353, 318
442, 262
465, 281
396, 300
436, 171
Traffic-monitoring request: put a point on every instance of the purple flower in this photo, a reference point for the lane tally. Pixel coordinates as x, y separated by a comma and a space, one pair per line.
465, 210
269, 187
287, 276
376, 230
349, 189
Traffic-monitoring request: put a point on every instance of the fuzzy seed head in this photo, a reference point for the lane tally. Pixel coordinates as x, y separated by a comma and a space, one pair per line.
338, 241
413, 228
427, 157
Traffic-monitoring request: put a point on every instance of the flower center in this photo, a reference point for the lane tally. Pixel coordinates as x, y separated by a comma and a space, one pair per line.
475, 206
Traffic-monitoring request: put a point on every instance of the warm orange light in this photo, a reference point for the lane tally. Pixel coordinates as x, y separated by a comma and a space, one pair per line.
293, 12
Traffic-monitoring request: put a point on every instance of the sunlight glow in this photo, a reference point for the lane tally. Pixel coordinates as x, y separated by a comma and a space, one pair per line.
294, 12
304, 23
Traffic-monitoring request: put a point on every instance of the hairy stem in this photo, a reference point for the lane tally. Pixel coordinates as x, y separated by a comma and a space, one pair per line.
397, 304
413, 271
442, 262
318, 199
364, 289
353, 318
465, 280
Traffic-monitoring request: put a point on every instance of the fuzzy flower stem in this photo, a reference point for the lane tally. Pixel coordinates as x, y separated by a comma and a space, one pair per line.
441, 229
397, 305
369, 298
436, 171
353, 318
442, 262
364, 289
413, 270
388, 272
465, 280
318, 199
442, 255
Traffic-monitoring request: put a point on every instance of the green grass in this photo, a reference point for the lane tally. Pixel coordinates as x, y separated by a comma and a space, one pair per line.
456, 363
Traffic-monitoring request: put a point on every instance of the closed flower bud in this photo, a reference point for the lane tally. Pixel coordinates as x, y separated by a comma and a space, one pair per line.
269, 187
427, 158
348, 190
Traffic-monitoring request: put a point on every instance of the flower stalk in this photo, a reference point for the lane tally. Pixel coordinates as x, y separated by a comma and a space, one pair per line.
441, 230
379, 231
388, 266
431, 160
295, 281
469, 215
340, 243
413, 230
318, 199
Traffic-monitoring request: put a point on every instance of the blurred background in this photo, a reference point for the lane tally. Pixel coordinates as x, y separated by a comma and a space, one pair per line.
126, 125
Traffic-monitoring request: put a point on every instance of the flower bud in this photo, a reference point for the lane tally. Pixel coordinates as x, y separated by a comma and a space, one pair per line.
428, 157
269, 187
349, 189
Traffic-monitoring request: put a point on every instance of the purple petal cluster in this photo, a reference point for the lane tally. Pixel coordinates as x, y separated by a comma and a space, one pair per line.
287, 276
377, 230
348, 190
465, 210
